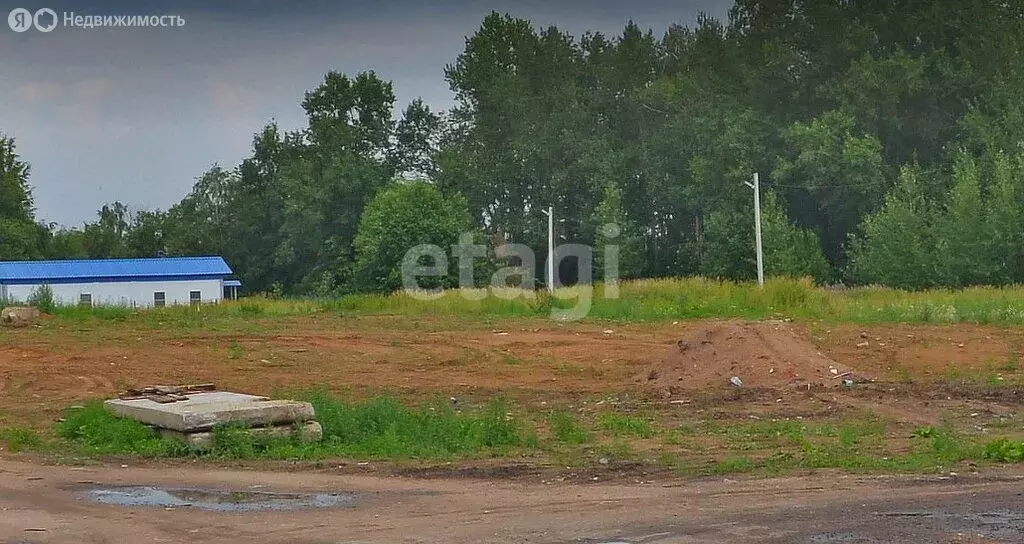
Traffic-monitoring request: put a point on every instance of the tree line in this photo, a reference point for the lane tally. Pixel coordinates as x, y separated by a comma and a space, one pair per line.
888, 138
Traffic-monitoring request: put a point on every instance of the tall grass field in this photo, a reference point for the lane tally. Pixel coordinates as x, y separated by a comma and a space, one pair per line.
641, 300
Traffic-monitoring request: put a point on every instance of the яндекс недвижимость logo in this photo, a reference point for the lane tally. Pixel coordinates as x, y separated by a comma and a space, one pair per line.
46, 19
21, 19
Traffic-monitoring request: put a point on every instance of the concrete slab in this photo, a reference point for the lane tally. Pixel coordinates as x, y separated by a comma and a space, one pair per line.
308, 432
203, 411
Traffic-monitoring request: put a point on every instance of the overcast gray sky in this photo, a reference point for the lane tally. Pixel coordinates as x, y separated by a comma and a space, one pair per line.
136, 115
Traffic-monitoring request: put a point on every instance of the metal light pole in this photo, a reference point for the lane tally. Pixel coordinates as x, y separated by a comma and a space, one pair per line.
756, 186
550, 212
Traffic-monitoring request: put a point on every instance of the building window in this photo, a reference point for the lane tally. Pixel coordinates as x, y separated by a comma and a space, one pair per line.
85, 299
159, 299
195, 297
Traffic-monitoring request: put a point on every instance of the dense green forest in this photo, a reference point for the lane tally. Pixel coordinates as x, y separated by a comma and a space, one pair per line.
888, 135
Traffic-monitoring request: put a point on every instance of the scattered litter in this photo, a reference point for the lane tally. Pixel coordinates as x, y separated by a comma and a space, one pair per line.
735, 380
603, 461
608, 331
848, 383
863, 344
863, 334
833, 370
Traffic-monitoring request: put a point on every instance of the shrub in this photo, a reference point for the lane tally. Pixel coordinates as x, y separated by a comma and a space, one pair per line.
1005, 451
42, 299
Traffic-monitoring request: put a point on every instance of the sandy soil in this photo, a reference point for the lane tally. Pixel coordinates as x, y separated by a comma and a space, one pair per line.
43, 504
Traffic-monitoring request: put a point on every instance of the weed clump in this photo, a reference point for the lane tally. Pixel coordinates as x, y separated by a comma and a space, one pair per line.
96, 431
566, 429
1005, 450
20, 438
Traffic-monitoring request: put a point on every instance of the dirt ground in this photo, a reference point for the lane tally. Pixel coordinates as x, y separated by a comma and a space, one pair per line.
913, 375
45, 369
45, 504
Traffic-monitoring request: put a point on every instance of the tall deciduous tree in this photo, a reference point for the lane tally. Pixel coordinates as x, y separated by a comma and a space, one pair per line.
20, 237
400, 218
614, 228
833, 177
897, 245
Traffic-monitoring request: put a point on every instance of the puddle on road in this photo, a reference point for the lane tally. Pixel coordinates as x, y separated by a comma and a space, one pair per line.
999, 525
217, 501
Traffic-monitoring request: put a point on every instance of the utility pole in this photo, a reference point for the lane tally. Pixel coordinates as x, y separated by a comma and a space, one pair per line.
756, 186
550, 212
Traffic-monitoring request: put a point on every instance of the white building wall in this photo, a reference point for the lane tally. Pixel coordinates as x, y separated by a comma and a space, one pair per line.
126, 293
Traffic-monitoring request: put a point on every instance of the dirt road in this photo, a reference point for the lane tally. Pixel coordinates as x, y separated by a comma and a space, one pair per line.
44, 504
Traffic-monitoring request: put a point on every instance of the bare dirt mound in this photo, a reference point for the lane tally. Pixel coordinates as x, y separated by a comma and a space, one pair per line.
769, 354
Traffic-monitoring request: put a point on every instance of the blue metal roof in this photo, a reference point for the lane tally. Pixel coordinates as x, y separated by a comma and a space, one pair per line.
232, 283
113, 269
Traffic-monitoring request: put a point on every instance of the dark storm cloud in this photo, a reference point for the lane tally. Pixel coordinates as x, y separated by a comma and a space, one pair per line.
136, 114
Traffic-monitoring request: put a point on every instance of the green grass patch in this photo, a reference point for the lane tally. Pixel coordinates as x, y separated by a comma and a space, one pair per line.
773, 447
1010, 365
565, 429
380, 428
1004, 450
236, 351
386, 427
21, 438
618, 449
734, 465
621, 425
95, 431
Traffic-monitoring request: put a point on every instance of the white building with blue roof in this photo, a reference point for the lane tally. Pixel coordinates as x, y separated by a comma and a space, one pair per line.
138, 283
